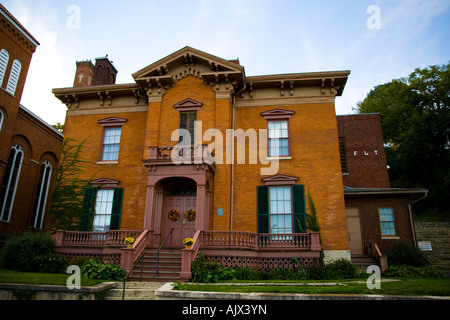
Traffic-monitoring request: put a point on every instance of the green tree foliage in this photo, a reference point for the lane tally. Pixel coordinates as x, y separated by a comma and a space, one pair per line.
415, 118
67, 196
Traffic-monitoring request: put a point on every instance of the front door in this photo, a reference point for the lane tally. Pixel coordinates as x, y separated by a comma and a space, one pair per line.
183, 228
354, 230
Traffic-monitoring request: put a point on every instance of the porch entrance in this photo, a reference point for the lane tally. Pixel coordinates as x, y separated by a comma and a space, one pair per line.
183, 228
354, 230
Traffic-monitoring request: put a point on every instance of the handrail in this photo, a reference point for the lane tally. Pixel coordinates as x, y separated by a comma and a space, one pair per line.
139, 259
157, 252
382, 259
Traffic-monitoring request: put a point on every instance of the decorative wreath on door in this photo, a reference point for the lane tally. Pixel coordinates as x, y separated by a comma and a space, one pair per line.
174, 215
190, 215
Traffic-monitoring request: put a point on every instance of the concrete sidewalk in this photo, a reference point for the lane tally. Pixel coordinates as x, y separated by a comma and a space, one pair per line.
166, 292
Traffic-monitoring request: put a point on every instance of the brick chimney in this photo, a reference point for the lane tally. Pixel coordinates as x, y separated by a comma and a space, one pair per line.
104, 72
89, 75
84, 74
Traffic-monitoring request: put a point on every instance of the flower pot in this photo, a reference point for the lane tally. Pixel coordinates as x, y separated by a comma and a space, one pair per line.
187, 247
129, 246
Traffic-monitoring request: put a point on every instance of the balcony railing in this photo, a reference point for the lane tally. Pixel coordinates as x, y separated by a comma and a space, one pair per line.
181, 154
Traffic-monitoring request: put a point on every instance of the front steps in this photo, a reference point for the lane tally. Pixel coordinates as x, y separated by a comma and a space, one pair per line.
362, 262
134, 291
169, 266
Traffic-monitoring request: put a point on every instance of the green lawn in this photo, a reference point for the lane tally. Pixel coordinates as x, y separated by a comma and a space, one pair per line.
416, 286
11, 276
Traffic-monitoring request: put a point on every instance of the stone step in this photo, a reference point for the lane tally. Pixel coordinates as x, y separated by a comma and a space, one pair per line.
362, 262
134, 291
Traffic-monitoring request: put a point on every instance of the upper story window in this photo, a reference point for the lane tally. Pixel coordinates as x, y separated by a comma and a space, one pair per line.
10, 181
14, 77
278, 138
112, 134
188, 115
187, 121
4, 58
111, 144
278, 135
41, 195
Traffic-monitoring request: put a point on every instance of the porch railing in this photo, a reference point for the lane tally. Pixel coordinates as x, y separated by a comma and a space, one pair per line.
93, 239
246, 240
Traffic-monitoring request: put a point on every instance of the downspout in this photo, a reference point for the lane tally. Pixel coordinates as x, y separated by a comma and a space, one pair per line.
413, 229
233, 101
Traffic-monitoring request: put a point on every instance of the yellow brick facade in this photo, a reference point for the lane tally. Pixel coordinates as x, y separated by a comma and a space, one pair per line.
229, 100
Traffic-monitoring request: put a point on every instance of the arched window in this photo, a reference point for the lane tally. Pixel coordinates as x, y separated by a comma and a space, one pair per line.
4, 58
1, 120
14, 77
41, 195
10, 181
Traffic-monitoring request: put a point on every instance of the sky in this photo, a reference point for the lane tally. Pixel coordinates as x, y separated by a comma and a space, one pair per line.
376, 40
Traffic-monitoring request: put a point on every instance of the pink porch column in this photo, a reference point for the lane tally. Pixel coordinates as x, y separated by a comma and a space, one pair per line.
315, 241
186, 263
200, 223
149, 204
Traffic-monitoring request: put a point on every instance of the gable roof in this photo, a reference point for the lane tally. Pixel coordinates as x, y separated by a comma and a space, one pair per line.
188, 61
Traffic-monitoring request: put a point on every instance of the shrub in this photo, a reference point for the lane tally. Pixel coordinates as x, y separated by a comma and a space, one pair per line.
404, 271
340, 269
205, 271
51, 263
247, 273
21, 252
98, 270
404, 253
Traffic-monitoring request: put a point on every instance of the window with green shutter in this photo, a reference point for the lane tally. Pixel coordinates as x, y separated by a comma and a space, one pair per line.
281, 209
108, 209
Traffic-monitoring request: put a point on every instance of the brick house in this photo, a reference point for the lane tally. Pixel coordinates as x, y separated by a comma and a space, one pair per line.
194, 132
375, 212
29, 147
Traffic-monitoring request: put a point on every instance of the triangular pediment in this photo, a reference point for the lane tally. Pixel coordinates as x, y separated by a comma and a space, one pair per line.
188, 103
112, 121
105, 182
280, 179
184, 62
277, 114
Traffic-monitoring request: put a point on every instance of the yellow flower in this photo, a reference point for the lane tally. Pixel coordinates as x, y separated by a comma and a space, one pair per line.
188, 241
129, 240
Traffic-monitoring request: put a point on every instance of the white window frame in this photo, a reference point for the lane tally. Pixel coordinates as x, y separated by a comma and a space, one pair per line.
11, 186
103, 210
279, 208
41, 199
14, 77
4, 59
113, 144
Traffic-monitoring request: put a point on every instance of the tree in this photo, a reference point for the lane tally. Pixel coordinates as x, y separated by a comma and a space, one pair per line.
67, 196
415, 118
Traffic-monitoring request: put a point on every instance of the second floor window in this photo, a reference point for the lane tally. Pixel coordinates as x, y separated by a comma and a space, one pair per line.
278, 138
111, 144
187, 121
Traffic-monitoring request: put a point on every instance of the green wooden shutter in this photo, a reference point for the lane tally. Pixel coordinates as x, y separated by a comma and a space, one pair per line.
298, 192
88, 202
116, 209
262, 199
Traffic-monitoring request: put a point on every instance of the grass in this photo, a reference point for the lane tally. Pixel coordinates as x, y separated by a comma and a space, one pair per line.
410, 286
11, 276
